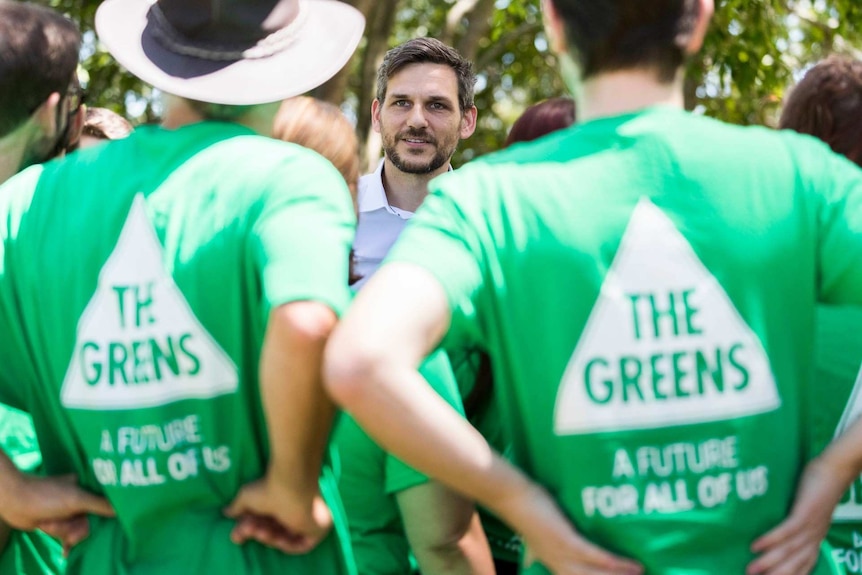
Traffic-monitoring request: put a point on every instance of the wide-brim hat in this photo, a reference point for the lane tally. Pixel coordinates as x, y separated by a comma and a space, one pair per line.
234, 52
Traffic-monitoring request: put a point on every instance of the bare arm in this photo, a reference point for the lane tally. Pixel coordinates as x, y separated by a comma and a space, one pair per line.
371, 368
56, 504
444, 531
299, 418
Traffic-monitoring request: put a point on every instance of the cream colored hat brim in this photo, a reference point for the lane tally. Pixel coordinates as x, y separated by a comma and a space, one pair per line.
321, 46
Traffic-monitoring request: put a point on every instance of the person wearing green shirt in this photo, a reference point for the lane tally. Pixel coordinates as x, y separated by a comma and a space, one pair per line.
645, 285
394, 511
40, 115
165, 299
827, 104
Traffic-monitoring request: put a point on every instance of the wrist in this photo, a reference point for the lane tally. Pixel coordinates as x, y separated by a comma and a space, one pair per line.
837, 466
12, 487
298, 485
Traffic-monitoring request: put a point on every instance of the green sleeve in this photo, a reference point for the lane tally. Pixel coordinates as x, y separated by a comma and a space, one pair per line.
15, 196
301, 240
437, 370
838, 188
441, 240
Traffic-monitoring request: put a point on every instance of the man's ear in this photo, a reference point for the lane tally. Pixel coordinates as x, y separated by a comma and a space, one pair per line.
375, 115
76, 126
468, 122
45, 115
554, 27
704, 15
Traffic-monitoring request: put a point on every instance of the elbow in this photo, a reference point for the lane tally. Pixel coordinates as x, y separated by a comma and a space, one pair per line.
463, 551
304, 322
348, 368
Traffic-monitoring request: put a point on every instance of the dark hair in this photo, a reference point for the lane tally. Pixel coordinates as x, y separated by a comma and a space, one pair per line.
38, 56
106, 125
542, 118
219, 112
827, 103
611, 35
428, 51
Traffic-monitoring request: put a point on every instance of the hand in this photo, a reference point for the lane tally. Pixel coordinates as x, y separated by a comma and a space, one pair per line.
69, 532
552, 540
269, 513
793, 547
56, 505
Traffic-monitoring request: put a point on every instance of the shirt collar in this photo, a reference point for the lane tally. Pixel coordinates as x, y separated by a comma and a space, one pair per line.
372, 195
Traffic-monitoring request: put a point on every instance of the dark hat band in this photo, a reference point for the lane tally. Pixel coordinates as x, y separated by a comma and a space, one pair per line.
170, 38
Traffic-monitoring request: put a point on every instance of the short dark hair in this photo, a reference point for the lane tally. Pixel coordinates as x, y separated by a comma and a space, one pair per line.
612, 35
543, 118
38, 56
827, 103
428, 51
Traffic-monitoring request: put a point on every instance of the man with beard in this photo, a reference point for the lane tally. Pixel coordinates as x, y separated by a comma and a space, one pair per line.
424, 106
40, 98
40, 113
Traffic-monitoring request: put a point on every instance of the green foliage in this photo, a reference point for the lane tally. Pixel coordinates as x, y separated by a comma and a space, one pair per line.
755, 51
108, 85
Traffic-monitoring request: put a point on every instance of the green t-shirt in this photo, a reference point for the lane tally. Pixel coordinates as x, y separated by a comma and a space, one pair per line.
836, 404
34, 552
136, 281
369, 478
645, 286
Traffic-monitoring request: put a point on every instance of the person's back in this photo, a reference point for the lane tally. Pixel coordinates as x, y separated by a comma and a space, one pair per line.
645, 285
40, 115
827, 104
140, 334
164, 301
687, 366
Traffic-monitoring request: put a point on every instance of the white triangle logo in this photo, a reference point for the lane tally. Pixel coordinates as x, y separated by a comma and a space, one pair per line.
663, 345
138, 342
851, 510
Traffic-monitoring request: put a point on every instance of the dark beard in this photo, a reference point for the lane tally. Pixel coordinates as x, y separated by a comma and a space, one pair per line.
436, 162
404, 165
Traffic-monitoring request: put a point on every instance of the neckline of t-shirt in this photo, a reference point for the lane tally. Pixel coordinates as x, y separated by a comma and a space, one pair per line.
658, 109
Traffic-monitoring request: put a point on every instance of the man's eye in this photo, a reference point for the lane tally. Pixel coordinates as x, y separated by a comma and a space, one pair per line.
401, 103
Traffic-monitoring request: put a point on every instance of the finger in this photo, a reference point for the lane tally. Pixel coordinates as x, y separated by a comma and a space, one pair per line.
529, 557
788, 529
242, 530
86, 502
775, 555
800, 563
594, 556
69, 532
269, 532
237, 507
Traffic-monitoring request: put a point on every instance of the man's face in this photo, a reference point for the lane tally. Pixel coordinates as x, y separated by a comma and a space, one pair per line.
419, 120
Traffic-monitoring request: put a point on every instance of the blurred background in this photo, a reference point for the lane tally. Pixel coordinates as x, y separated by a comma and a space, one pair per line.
754, 52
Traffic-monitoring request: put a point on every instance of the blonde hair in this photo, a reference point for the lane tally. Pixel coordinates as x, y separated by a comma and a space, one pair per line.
322, 127
106, 125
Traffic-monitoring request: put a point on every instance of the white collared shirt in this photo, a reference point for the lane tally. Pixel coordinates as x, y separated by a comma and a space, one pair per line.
379, 225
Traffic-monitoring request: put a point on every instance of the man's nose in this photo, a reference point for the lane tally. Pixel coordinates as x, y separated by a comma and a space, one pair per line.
417, 118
